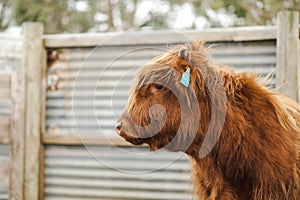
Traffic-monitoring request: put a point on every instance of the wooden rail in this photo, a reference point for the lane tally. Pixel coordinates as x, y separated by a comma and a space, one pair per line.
73, 139
160, 37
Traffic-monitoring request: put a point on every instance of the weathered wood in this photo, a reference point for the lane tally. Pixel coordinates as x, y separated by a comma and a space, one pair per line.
34, 62
4, 173
73, 139
17, 134
42, 168
4, 129
288, 54
42, 123
4, 86
160, 37
11, 46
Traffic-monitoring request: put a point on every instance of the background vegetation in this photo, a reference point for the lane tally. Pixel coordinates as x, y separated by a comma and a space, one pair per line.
61, 16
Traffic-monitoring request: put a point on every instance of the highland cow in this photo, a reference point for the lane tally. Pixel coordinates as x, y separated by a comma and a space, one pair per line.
242, 137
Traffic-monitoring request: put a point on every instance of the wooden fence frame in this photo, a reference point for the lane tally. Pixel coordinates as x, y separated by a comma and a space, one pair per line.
28, 86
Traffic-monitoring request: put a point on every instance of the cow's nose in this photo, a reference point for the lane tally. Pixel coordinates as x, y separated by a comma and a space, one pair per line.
118, 126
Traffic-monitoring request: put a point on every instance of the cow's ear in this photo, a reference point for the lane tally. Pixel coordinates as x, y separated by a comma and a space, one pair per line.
184, 53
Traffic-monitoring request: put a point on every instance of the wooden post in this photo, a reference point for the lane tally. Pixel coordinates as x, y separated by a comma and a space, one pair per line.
5, 93
288, 54
5, 86
34, 63
17, 134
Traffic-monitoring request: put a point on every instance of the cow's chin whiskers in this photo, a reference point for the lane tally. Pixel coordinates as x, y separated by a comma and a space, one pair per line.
154, 145
153, 148
131, 138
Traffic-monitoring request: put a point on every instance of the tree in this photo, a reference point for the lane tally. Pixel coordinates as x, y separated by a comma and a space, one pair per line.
57, 16
116, 15
5, 12
249, 12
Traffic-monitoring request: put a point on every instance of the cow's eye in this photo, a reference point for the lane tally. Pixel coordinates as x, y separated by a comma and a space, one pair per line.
158, 86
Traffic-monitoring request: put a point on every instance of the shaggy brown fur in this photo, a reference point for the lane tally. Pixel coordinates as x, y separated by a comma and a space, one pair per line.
257, 154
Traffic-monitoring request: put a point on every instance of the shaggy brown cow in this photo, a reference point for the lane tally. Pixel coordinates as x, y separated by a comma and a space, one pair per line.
252, 154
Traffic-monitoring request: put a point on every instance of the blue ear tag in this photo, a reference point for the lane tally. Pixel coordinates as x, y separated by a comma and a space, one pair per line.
185, 78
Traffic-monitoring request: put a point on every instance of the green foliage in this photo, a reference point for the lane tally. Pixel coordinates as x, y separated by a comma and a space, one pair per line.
111, 15
57, 16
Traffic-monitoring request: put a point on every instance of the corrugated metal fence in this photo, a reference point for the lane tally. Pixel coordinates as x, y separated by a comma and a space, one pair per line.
113, 173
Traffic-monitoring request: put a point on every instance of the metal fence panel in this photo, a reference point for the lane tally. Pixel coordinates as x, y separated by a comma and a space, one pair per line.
104, 172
